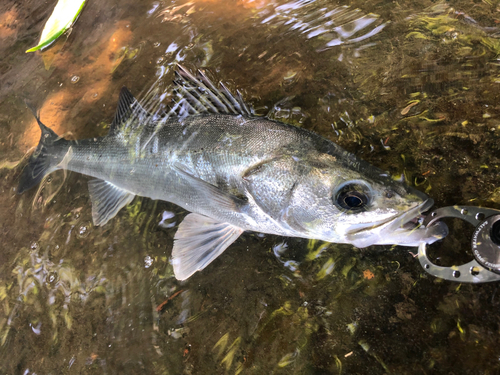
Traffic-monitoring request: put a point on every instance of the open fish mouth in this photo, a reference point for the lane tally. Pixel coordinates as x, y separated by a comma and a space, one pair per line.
404, 229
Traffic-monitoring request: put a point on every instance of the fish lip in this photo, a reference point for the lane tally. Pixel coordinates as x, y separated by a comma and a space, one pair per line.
394, 222
411, 214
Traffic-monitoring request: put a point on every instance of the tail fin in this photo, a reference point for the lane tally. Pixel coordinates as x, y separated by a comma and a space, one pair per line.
39, 163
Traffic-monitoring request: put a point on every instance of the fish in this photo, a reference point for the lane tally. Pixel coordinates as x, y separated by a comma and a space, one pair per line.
234, 172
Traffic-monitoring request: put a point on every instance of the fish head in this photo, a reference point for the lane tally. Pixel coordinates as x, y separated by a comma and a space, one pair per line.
362, 206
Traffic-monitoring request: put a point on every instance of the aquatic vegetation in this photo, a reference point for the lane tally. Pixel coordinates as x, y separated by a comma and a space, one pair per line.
47, 289
455, 27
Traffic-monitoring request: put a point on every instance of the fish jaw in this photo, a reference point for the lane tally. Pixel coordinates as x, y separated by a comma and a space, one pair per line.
402, 229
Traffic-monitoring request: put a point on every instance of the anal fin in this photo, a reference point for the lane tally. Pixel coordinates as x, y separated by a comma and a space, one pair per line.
198, 241
107, 199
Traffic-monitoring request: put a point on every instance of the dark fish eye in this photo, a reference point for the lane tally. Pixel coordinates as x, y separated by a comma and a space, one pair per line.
353, 197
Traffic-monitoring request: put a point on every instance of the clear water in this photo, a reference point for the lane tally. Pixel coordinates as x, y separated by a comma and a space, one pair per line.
412, 87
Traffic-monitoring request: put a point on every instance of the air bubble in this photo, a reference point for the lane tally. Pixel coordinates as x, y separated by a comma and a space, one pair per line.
156, 44
75, 79
52, 277
83, 231
148, 261
456, 274
34, 245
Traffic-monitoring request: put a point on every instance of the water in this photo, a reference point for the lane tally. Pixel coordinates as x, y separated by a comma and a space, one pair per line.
411, 87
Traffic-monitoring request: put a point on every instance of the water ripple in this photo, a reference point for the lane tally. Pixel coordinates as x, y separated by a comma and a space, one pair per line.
339, 25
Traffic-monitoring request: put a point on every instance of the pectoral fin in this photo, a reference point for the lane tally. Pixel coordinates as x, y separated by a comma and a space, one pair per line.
107, 199
210, 193
198, 241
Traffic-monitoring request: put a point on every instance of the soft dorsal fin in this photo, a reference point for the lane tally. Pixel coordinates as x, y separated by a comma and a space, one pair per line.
127, 107
199, 95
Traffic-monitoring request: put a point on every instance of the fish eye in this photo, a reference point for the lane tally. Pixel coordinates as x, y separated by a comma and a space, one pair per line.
352, 197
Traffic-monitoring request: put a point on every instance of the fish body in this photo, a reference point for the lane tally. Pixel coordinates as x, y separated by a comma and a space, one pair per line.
234, 172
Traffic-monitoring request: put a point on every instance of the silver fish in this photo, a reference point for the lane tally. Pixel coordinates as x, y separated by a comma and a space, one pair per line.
234, 172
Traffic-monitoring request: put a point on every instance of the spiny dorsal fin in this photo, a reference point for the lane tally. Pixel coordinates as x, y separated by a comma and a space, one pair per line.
199, 95
194, 96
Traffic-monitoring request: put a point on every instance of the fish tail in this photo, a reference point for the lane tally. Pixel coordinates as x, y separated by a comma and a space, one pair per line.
40, 163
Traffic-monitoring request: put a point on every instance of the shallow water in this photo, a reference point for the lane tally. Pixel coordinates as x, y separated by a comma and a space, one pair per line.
412, 87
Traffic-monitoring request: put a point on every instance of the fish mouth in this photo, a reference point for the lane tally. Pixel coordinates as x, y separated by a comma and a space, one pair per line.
411, 216
404, 229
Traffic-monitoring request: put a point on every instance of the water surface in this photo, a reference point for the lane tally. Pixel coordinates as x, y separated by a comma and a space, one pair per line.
411, 87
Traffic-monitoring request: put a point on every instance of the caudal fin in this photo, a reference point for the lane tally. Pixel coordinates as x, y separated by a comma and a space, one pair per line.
40, 163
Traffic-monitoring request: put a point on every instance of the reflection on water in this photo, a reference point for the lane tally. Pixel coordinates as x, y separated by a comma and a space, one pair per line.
410, 87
